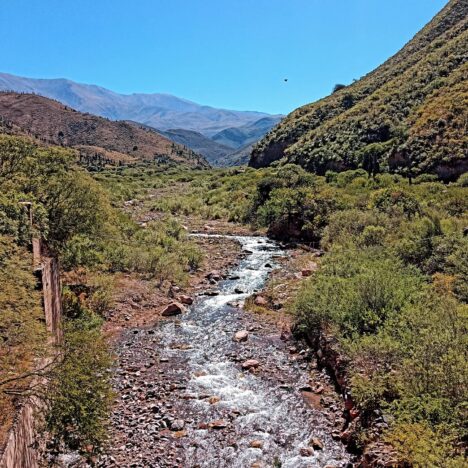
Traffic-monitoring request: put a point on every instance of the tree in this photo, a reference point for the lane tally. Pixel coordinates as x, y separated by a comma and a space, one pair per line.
337, 87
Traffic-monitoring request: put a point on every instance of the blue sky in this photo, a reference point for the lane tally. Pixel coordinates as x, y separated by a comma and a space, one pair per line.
226, 53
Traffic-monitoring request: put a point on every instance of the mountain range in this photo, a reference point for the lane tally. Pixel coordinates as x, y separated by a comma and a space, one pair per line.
408, 116
96, 139
234, 129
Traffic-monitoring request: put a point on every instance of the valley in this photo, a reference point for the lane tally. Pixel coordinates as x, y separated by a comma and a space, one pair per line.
184, 286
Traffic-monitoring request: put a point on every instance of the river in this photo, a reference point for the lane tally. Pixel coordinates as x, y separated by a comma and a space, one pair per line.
209, 411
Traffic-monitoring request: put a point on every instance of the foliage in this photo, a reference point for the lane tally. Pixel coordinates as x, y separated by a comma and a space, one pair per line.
80, 394
407, 116
22, 332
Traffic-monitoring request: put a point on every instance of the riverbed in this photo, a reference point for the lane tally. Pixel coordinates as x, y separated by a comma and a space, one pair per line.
190, 395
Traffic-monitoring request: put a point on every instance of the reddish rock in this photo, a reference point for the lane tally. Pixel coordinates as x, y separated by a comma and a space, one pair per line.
349, 405
256, 444
306, 451
306, 272
316, 443
174, 308
218, 424
260, 301
241, 335
186, 300
250, 364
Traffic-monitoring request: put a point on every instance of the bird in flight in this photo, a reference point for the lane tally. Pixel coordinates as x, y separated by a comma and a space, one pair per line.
285, 79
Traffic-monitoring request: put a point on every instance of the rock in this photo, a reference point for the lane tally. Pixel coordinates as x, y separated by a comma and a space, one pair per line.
306, 451
218, 424
174, 308
260, 301
316, 443
239, 290
250, 364
211, 293
336, 435
214, 275
186, 300
268, 265
234, 277
256, 444
353, 413
241, 336
213, 400
177, 425
306, 272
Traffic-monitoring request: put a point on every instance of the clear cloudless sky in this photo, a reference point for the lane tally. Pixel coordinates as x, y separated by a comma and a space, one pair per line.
224, 53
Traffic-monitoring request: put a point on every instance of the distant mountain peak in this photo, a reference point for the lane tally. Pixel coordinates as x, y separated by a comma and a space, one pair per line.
159, 110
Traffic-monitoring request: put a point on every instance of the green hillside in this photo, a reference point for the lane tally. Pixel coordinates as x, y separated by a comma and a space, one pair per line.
408, 116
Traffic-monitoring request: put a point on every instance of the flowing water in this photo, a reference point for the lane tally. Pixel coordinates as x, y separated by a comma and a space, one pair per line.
265, 406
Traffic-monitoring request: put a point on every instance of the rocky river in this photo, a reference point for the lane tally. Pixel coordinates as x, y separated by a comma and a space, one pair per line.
220, 387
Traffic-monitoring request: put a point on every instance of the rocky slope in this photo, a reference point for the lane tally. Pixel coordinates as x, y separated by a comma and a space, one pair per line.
94, 137
408, 116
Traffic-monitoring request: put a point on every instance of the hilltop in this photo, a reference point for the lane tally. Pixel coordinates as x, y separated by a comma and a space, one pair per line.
95, 137
407, 116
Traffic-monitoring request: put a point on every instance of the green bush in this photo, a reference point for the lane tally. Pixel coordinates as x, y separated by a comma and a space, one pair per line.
396, 202
357, 292
424, 178
79, 394
463, 180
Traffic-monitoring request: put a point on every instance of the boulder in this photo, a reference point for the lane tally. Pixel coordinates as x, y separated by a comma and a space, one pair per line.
218, 424
211, 293
186, 300
258, 444
174, 308
260, 301
214, 275
306, 451
241, 335
177, 425
316, 443
250, 364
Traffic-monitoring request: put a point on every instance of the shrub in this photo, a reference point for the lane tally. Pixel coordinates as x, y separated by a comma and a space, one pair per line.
416, 444
356, 292
345, 178
395, 202
424, 178
79, 394
463, 180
